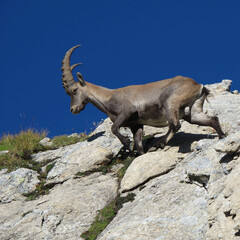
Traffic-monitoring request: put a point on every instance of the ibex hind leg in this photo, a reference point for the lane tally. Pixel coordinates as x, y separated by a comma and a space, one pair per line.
203, 119
174, 126
197, 116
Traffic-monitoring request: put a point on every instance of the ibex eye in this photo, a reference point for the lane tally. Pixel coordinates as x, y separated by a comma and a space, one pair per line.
74, 91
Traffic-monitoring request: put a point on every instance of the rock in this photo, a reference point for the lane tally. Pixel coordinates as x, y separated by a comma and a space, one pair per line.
46, 142
164, 209
16, 183
3, 171
3, 152
217, 88
101, 147
224, 209
65, 213
230, 144
82, 159
148, 166
73, 135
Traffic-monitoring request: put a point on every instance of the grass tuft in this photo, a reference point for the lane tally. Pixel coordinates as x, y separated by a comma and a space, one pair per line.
24, 144
20, 147
127, 162
105, 216
64, 140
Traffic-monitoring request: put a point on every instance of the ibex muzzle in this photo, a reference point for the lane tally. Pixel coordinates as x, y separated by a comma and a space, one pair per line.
158, 104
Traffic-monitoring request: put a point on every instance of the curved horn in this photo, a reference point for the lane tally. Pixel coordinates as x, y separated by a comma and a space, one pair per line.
74, 65
67, 77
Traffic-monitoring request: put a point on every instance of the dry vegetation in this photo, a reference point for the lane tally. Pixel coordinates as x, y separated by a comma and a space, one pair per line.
21, 146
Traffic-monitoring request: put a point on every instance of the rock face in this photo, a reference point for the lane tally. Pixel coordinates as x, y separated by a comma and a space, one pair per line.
14, 184
187, 191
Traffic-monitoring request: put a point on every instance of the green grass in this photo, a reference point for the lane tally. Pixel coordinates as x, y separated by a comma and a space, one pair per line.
3, 147
127, 162
64, 140
24, 144
105, 216
41, 188
21, 147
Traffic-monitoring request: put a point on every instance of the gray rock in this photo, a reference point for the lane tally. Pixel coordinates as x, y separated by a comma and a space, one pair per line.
148, 166
14, 184
217, 88
101, 147
46, 142
164, 209
230, 144
224, 208
3, 152
3, 171
73, 135
65, 213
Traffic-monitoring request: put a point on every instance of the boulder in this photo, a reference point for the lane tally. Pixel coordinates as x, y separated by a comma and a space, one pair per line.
148, 166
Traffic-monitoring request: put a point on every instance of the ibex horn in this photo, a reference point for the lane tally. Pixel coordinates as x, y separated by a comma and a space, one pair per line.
67, 76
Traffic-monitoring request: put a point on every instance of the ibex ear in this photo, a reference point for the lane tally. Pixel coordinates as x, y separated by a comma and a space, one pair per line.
80, 79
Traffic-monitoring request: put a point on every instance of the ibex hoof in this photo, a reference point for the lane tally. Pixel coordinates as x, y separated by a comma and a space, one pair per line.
131, 146
152, 149
161, 145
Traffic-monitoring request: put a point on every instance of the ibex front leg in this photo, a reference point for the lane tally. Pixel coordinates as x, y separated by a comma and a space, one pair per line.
137, 136
119, 121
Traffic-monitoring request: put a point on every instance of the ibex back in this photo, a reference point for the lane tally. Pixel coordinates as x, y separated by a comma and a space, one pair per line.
157, 104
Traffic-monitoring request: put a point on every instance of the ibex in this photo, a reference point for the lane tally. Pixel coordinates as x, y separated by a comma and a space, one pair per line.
157, 104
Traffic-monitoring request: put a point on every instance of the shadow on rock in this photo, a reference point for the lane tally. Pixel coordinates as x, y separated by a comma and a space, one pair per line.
181, 140
95, 136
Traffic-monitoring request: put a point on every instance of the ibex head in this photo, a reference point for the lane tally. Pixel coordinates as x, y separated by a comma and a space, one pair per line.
76, 90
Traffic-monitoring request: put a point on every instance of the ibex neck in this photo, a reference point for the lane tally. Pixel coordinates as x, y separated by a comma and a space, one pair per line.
99, 96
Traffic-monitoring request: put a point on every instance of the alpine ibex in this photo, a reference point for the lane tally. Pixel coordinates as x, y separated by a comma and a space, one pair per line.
157, 104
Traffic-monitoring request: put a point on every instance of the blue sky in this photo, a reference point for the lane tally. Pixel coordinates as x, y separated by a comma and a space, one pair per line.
124, 42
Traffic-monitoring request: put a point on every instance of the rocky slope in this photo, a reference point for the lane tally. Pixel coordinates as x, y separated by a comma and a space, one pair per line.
188, 190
